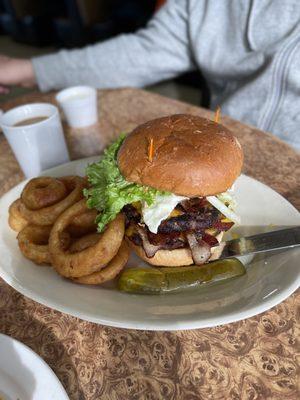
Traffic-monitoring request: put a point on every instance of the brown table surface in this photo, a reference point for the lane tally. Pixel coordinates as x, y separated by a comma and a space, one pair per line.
257, 358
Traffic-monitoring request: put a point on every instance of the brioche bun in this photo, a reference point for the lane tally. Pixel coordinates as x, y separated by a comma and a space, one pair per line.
193, 156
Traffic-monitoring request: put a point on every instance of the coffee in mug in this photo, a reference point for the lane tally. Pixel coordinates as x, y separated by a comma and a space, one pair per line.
30, 121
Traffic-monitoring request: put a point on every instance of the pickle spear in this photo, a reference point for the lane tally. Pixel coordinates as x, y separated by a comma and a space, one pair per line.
171, 279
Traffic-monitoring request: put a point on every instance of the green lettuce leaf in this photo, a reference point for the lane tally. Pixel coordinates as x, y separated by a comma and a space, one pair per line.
109, 191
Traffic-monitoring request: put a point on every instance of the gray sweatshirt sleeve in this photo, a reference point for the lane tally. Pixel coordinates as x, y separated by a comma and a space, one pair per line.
159, 51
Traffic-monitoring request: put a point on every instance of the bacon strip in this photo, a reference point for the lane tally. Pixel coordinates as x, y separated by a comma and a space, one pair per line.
185, 230
200, 249
150, 249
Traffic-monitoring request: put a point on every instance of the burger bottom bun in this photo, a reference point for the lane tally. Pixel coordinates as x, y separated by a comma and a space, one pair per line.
175, 258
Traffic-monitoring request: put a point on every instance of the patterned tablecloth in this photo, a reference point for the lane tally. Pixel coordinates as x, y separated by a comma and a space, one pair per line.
257, 358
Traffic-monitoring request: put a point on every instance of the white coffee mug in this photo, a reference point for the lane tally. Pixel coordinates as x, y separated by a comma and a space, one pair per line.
36, 145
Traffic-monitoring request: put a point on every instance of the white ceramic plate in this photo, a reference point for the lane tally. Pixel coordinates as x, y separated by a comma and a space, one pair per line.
24, 375
269, 280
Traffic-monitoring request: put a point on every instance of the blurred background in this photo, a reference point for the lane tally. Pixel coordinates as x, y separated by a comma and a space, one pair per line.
35, 27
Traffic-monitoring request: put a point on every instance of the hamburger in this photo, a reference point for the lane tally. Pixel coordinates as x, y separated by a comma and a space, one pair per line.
172, 178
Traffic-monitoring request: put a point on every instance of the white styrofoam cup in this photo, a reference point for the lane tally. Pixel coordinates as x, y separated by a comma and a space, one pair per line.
37, 146
79, 104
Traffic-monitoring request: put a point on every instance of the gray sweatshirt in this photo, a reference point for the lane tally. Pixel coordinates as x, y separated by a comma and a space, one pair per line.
248, 51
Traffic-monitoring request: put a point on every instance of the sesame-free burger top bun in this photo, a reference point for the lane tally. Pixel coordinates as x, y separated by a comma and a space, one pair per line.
192, 156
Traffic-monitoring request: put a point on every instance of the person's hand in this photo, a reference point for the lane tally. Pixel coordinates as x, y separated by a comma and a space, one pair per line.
15, 72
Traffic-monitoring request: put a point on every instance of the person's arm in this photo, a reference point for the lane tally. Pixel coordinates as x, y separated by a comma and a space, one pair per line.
15, 71
158, 52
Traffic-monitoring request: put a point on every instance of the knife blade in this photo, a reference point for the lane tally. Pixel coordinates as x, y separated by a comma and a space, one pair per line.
263, 242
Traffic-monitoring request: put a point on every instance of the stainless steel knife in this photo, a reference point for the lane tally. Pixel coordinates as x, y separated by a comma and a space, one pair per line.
263, 242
